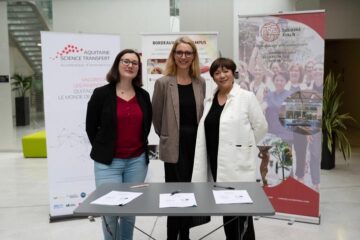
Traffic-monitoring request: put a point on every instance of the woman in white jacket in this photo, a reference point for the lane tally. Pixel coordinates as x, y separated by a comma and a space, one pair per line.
232, 124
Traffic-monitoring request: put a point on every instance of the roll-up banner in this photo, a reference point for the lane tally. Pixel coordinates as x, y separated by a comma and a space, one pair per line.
73, 65
281, 59
156, 49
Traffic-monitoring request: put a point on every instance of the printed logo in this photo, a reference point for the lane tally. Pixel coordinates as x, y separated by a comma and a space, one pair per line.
75, 54
67, 50
270, 32
70, 205
58, 206
72, 196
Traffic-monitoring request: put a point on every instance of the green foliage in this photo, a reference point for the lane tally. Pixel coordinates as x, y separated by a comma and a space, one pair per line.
21, 84
281, 151
334, 123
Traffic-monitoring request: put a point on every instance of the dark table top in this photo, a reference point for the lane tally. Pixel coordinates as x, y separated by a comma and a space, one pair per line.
148, 203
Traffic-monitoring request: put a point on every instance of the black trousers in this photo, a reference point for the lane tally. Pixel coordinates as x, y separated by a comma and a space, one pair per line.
177, 225
182, 172
234, 229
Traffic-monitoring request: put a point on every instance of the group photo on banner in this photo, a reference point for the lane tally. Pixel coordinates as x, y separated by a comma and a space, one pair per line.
281, 60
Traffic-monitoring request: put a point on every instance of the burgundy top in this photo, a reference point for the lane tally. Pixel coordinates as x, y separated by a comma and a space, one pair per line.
129, 141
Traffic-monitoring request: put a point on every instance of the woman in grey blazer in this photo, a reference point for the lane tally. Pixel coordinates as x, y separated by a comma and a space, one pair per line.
177, 108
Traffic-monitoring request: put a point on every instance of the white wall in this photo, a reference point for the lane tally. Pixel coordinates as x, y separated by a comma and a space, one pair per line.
219, 16
209, 16
257, 7
128, 18
251, 7
6, 121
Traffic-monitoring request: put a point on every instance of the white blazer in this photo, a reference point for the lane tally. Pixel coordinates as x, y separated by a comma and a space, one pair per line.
242, 125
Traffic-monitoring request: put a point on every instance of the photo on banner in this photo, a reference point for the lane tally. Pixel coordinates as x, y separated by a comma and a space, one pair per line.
281, 60
73, 65
155, 51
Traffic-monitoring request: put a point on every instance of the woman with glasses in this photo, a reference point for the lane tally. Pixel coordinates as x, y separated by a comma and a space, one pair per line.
118, 123
177, 108
232, 124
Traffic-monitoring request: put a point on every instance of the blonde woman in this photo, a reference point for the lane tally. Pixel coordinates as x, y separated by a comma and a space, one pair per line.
178, 106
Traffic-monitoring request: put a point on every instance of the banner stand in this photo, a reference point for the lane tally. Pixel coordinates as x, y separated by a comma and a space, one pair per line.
73, 65
292, 218
53, 219
280, 59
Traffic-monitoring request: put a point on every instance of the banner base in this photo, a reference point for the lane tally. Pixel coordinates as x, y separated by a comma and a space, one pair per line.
53, 219
292, 218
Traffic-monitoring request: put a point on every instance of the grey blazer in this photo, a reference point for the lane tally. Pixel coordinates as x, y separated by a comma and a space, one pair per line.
166, 119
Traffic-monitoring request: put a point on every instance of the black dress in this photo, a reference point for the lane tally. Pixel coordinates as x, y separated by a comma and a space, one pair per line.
182, 170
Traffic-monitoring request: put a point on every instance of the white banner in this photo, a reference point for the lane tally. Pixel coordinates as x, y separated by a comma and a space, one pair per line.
281, 59
73, 65
156, 49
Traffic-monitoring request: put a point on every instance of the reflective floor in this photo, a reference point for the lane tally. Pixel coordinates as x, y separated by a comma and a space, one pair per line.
24, 204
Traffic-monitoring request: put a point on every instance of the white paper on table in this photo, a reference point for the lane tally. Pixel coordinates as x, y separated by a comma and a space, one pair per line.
116, 198
177, 200
231, 196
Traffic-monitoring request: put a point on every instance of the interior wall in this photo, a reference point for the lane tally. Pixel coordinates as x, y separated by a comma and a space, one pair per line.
257, 7
209, 16
342, 56
17, 65
6, 120
305, 5
126, 18
342, 18
219, 16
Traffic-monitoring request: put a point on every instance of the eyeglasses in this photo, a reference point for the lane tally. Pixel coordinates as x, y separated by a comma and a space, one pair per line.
181, 53
127, 62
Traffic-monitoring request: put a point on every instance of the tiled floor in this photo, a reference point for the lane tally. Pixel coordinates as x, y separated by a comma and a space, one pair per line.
24, 205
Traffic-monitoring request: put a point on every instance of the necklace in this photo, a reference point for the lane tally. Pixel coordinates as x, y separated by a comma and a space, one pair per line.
122, 91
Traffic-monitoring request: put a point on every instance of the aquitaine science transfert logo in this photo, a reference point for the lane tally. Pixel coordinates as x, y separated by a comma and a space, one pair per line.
74, 53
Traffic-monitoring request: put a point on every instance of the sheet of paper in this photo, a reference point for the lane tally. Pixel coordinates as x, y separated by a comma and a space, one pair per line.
116, 198
231, 196
177, 200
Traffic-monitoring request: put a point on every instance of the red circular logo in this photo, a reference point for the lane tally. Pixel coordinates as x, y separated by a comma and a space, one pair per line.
270, 32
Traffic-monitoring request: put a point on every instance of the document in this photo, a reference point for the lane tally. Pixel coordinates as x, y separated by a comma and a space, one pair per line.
231, 196
177, 200
116, 198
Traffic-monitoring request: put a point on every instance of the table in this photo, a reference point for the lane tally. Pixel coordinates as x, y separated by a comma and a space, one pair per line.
148, 203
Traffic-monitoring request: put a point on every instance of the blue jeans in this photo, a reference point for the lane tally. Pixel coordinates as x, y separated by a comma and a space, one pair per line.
120, 171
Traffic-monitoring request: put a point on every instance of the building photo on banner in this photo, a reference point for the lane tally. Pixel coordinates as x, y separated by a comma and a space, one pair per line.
281, 60
156, 49
73, 65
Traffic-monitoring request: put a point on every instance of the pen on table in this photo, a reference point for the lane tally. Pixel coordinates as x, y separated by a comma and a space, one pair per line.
140, 186
175, 192
224, 187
